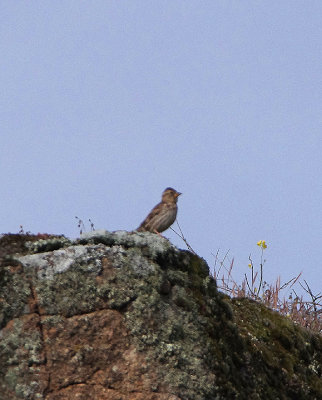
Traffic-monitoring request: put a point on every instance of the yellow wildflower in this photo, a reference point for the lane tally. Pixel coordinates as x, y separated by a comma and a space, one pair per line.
262, 244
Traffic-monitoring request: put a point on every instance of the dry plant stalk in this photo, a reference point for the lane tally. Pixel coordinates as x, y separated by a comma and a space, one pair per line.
305, 313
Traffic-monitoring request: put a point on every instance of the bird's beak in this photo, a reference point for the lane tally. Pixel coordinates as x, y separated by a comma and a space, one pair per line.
178, 194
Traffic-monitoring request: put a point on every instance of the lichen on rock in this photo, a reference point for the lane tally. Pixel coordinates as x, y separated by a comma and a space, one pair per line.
126, 315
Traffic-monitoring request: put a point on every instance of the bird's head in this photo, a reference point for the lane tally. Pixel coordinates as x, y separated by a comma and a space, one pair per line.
170, 195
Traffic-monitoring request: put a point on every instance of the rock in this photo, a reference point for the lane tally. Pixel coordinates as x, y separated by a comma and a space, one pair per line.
118, 315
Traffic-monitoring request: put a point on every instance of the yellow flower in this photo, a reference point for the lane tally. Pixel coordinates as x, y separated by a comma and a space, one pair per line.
262, 244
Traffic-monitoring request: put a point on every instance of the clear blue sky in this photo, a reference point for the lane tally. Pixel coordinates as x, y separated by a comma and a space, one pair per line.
106, 103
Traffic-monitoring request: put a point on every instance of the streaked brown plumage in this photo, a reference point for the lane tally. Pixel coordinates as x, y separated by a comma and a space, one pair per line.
163, 214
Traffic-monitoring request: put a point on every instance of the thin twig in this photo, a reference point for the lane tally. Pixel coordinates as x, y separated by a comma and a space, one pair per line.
251, 291
183, 238
216, 258
293, 279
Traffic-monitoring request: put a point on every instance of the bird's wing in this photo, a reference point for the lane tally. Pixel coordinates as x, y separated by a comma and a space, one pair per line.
147, 223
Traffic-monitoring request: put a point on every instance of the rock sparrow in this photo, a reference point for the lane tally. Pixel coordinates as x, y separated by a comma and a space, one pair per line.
163, 214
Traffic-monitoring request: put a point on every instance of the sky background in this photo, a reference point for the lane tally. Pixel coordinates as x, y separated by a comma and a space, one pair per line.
104, 104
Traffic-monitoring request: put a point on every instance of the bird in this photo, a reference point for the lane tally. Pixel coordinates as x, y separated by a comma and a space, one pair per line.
163, 215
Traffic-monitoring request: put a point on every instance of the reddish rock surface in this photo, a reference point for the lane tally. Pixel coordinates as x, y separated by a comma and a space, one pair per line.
88, 356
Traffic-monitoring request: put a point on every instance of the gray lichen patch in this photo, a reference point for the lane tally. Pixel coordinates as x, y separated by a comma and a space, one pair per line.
67, 278
172, 335
21, 351
15, 345
14, 294
132, 258
50, 244
55, 262
151, 245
